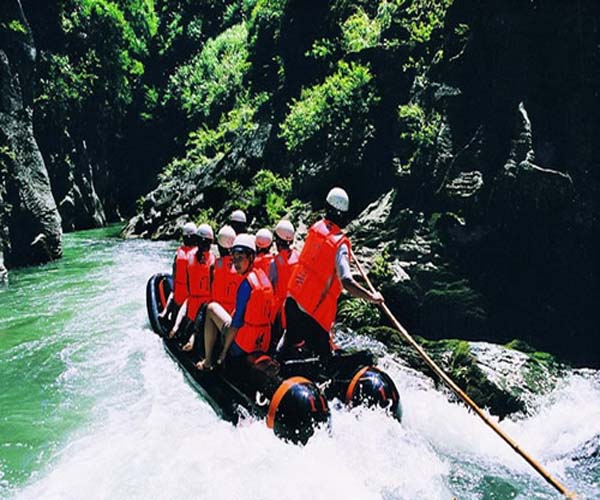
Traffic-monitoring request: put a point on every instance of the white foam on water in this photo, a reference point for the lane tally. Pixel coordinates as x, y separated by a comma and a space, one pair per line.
146, 433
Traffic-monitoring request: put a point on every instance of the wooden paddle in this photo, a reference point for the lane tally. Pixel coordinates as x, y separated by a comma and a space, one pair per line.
462, 395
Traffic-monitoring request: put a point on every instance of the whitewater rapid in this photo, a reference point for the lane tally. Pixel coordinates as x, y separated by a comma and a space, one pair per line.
136, 429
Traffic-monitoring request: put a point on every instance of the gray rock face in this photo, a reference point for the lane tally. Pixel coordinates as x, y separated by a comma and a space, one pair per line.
186, 194
30, 226
73, 183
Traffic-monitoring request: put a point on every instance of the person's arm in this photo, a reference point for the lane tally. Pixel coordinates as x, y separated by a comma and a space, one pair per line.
342, 265
354, 289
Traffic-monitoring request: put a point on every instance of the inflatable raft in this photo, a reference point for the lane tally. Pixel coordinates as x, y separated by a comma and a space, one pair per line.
290, 393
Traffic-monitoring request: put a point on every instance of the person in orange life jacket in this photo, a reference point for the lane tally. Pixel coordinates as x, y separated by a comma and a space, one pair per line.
238, 221
322, 272
264, 257
280, 271
225, 280
199, 265
249, 331
180, 292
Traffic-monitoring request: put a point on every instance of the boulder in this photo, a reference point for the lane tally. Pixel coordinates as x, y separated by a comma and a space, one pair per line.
502, 379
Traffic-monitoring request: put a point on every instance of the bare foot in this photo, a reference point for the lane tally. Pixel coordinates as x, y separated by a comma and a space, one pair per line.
172, 334
190, 344
204, 365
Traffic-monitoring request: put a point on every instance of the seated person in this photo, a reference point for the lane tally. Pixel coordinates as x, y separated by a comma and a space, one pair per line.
280, 271
249, 331
225, 279
199, 265
238, 221
264, 257
180, 291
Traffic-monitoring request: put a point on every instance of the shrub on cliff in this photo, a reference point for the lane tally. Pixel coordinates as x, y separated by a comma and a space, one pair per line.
331, 120
266, 199
209, 82
206, 143
102, 62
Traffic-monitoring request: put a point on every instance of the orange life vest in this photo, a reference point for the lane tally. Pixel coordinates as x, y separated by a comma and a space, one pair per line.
198, 274
285, 263
263, 261
314, 283
255, 334
180, 287
225, 283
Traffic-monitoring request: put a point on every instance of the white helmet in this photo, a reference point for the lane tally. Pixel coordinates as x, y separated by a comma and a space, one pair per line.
264, 238
205, 231
237, 216
244, 242
338, 199
189, 229
225, 236
285, 230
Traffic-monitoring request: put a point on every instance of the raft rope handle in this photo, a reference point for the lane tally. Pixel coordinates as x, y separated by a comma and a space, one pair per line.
261, 399
324, 385
462, 395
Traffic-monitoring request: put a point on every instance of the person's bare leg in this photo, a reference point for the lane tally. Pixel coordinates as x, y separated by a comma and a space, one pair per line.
180, 315
217, 319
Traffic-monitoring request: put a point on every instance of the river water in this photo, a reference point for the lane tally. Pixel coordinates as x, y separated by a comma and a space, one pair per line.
91, 406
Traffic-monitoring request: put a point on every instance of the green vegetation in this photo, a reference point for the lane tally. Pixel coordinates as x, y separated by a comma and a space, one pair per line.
213, 77
94, 79
415, 126
381, 272
268, 198
340, 106
360, 32
358, 313
16, 26
454, 306
205, 144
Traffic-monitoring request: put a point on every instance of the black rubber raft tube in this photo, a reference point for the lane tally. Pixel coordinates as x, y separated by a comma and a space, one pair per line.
289, 401
293, 407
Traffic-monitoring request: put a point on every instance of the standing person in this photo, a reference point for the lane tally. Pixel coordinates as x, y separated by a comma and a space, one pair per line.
264, 257
238, 221
248, 332
200, 261
281, 269
225, 280
322, 272
180, 289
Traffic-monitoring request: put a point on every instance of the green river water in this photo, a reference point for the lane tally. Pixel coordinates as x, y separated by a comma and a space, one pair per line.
91, 406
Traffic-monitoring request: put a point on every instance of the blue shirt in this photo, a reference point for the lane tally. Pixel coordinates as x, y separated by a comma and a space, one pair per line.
241, 301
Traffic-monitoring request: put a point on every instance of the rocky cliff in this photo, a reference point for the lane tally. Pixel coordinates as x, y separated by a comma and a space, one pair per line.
30, 226
474, 141
464, 132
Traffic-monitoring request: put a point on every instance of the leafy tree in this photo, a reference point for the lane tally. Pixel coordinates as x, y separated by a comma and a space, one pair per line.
206, 85
338, 106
